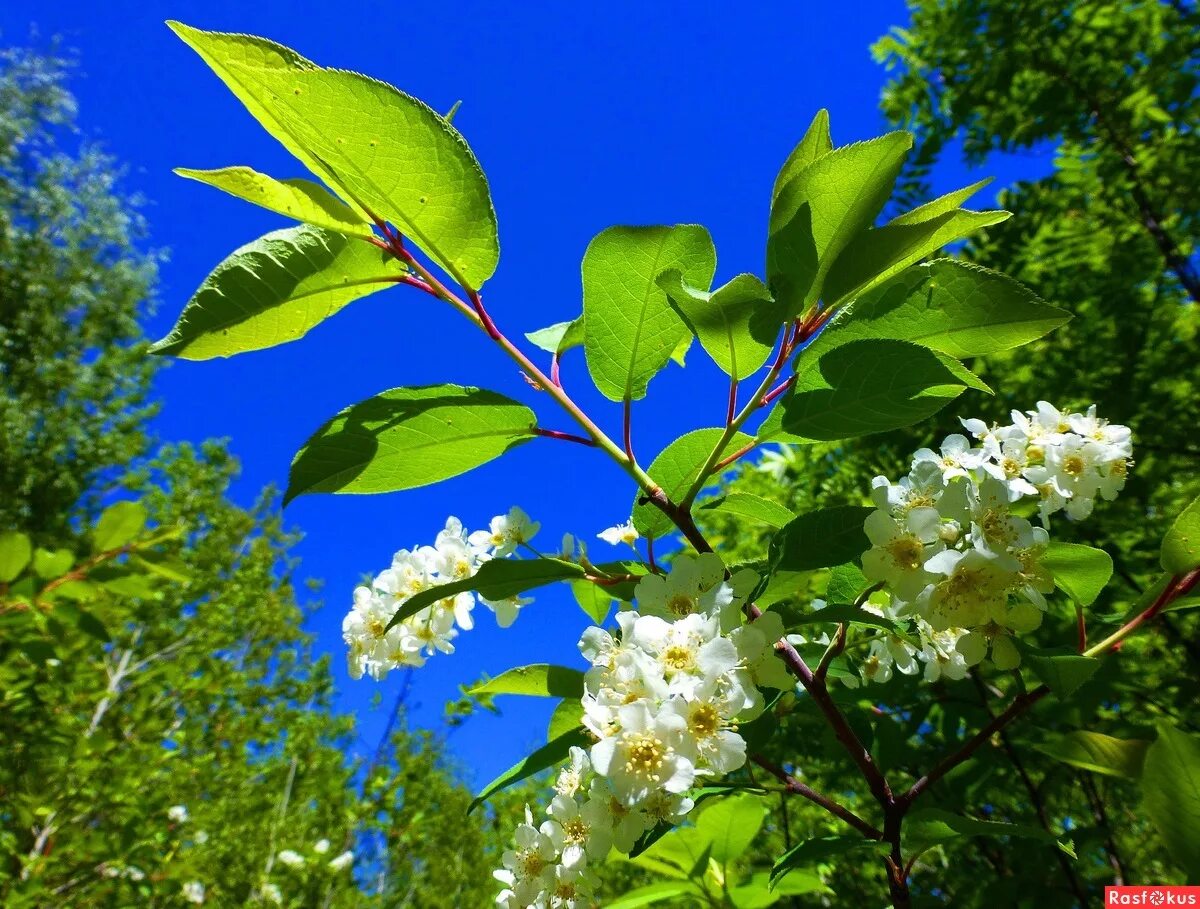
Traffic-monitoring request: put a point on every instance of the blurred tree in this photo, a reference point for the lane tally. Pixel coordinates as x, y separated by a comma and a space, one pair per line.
168, 733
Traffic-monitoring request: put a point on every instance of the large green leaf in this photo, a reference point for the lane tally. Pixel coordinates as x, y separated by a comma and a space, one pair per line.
567, 715
881, 252
553, 752
675, 469
118, 526
932, 826
275, 289
820, 539
537, 680
822, 208
960, 309
751, 508
1098, 753
1181, 545
16, 551
1171, 795
737, 324
630, 329
867, 386
300, 199
382, 150
497, 579
731, 824
1079, 571
593, 599
408, 437
816, 143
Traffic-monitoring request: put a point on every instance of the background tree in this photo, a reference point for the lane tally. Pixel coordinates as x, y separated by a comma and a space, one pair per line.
166, 724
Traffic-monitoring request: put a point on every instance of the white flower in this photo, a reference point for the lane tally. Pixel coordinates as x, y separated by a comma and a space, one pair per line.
941, 655
899, 551
529, 866
710, 741
271, 893
342, 861
972, 592
687, 651
134, 873
579, 831
506, 610
570, 778
626, 823
290, 858
755, 643
622, 533
956, 458
321, 846
201, 837
507, 532
193, 892
178, 814
695, 584
886, 652
643, 757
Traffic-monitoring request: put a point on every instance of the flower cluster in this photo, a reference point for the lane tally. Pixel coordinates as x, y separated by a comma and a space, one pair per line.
951, 550
376, 649
662, 699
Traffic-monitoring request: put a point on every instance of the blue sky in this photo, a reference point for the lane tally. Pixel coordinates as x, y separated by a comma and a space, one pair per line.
583, 116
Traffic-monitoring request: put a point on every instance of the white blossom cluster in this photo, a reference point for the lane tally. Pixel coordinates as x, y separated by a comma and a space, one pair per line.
951, 549
662, 700
375, 649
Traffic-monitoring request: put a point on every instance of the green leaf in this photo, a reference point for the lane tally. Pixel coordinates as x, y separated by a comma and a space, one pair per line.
816, 143
559, 337
751, 508
567, 716
819, 539
408, 437
1171, 795
302, 200
731, 824
819, 849
49, 564
169, 567
822, 208
960, 309
1060, 671
846, 583
15, 553
879, 253
1098, 753
382, 150
84, 621
593, 599
675, 469
276, 289
737, 324
118, 526
548, 755
537, 680
651, 893
630, 330
1181, 545
1079, 571
497, 579
864, 387
932, 826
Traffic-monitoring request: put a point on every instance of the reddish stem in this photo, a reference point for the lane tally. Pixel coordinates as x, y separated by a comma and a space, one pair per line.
725, 462
627, 421
554, 374
565, 436
793, 785
731, 410
777, 391
488, 325
650, 555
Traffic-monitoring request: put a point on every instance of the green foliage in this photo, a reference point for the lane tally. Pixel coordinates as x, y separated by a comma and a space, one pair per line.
1181, 545
275, 290
370, 142
752, 508
818, 539
551, 754
302, 200
539, 680
1082, 572
408, 437
630, 329
1098, 753
1171, 794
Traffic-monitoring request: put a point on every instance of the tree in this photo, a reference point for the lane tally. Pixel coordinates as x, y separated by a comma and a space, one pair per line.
168, 731
714, 686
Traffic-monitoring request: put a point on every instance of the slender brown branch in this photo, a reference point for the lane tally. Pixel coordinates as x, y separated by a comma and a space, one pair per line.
793, 785
565, 436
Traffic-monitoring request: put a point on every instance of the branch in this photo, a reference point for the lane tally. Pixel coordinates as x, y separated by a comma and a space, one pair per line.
793, 785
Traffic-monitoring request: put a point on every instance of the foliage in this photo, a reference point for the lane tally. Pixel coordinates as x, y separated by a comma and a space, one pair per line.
851, 334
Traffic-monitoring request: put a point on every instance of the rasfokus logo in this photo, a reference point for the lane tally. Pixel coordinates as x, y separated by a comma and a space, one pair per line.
1152, 896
